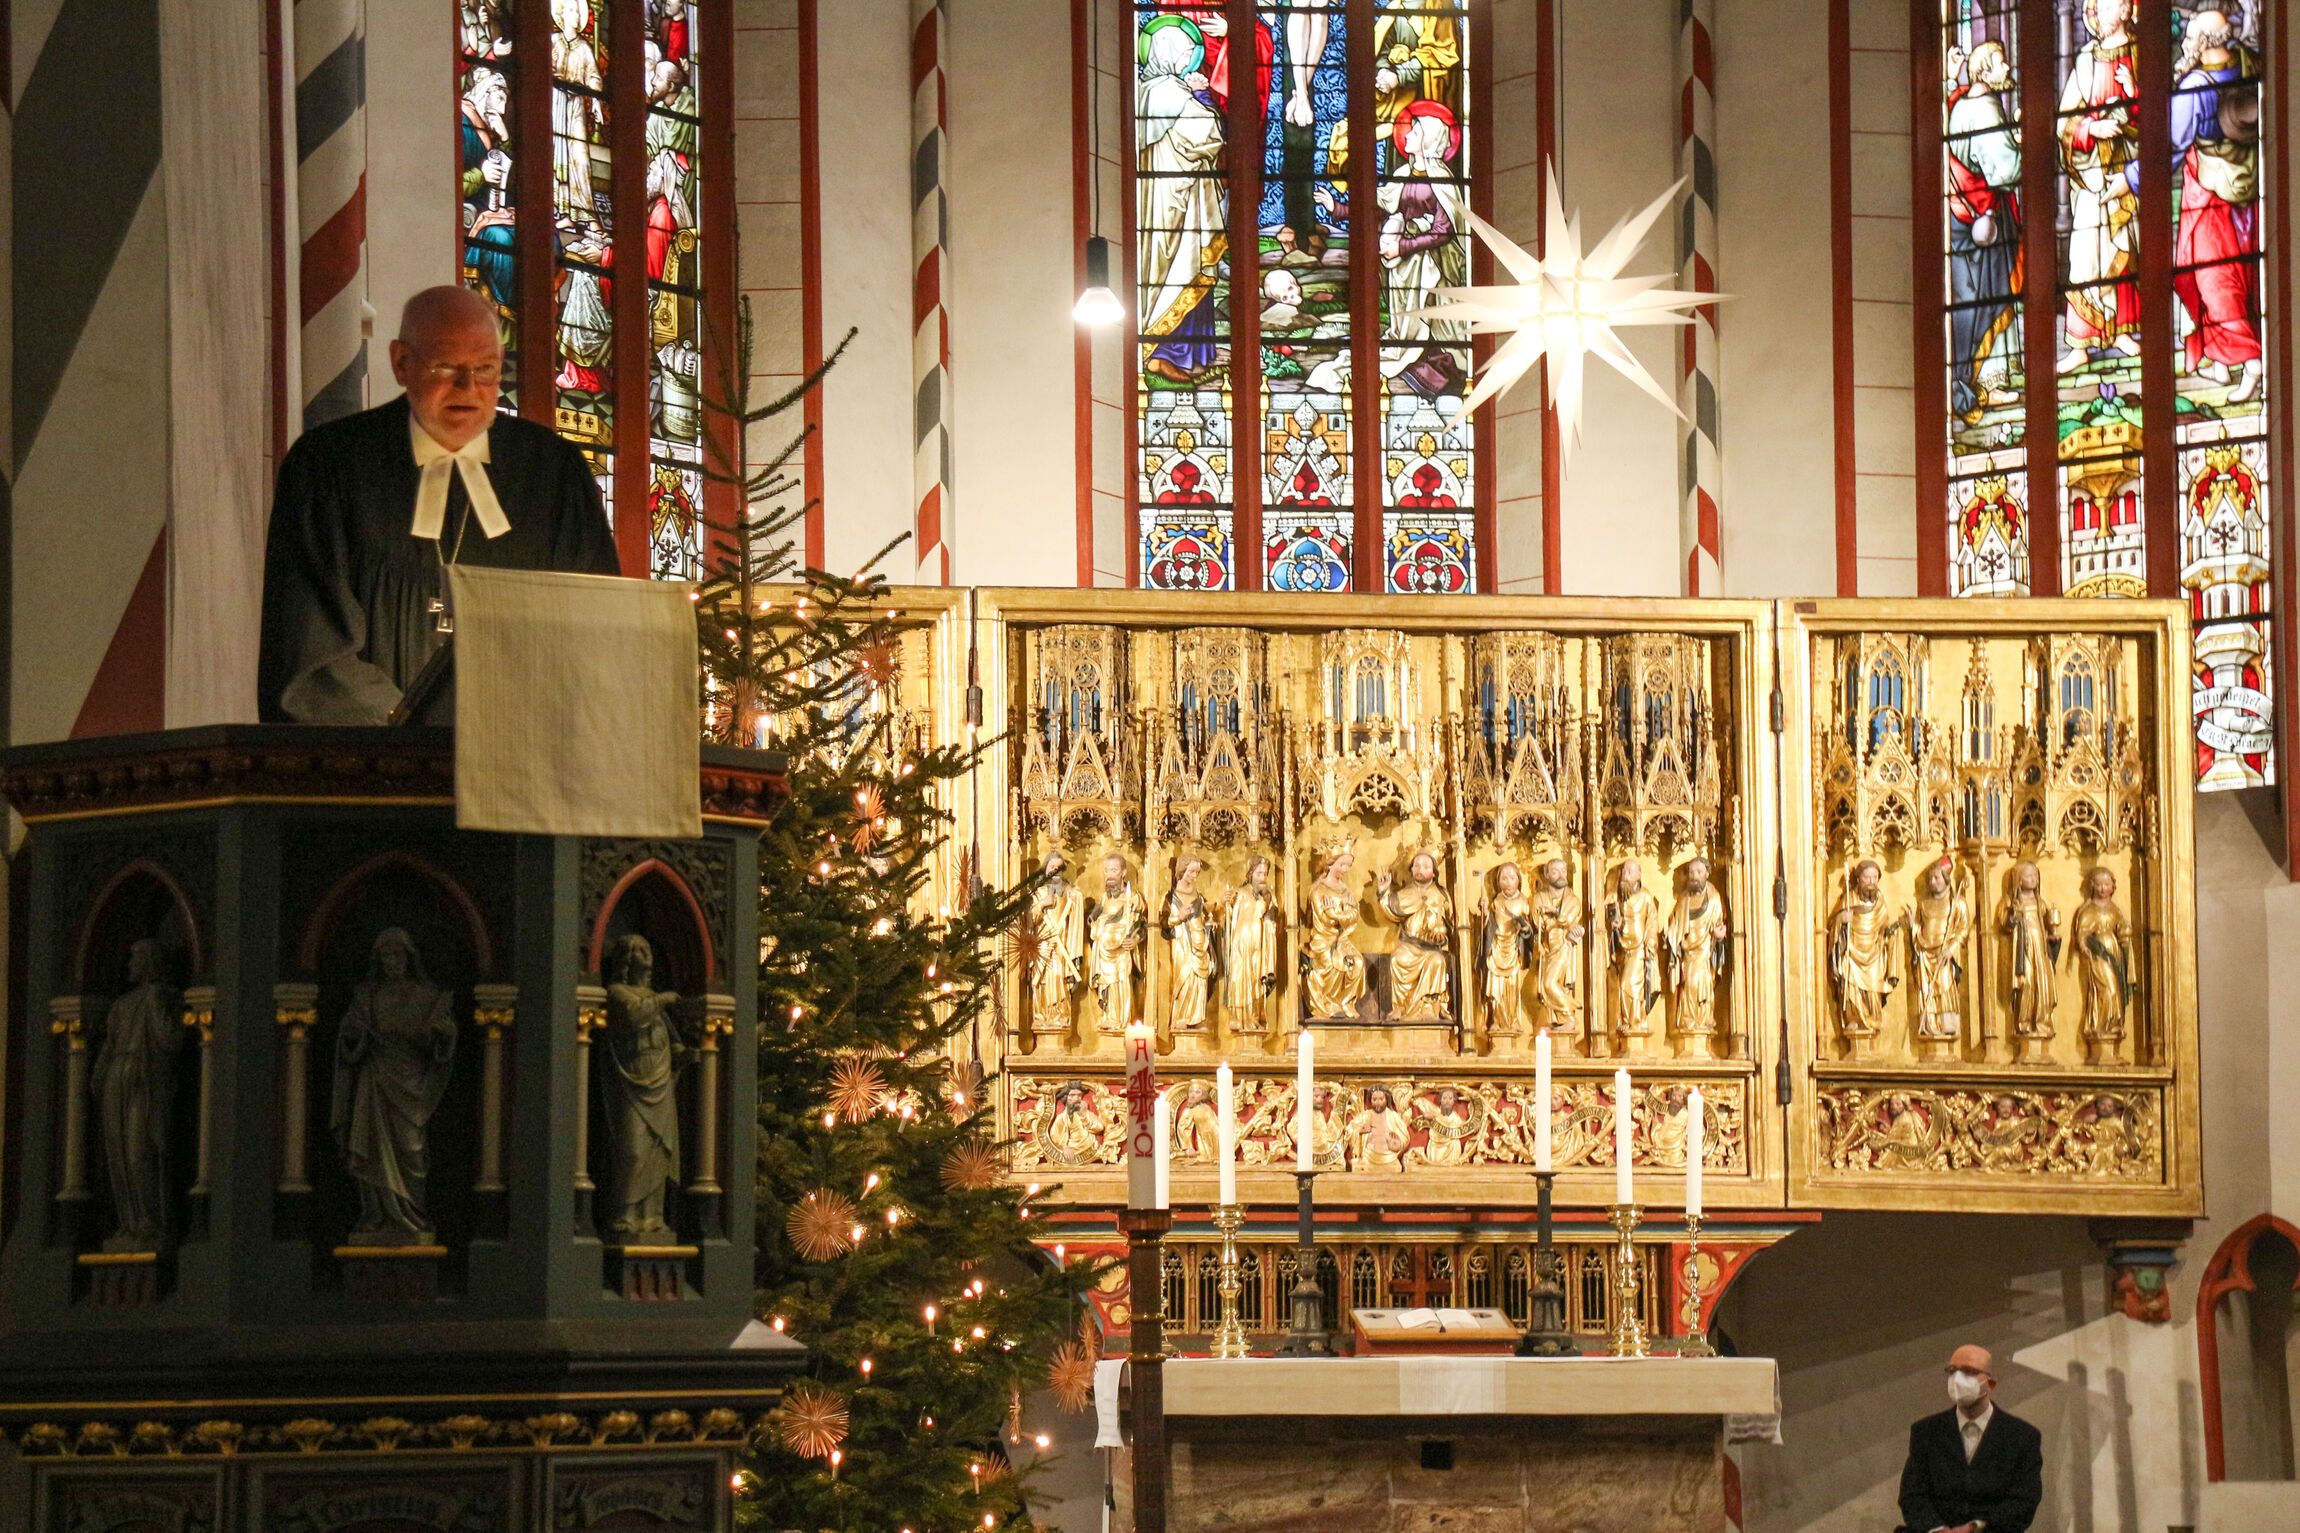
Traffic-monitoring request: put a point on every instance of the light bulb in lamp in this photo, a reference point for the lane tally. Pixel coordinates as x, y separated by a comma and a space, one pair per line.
1097, 305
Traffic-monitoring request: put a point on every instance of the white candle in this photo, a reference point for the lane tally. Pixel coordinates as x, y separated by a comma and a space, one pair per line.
1226, 1134
1695, 1130
1163, 1140
1541, 1097
1305, 1117
1623, 1193
1141, 1119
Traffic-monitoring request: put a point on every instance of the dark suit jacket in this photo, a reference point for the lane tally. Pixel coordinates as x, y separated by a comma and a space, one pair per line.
2001, 1486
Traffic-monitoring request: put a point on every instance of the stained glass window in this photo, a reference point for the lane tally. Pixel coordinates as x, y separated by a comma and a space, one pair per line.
2144, 194
625, 87
1299, 428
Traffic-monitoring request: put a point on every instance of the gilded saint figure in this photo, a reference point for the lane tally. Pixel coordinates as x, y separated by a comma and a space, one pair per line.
1114, 948
1450, 1123
1698, 942
2032, 935
1197, 1125
1633, 927
644, 1053
1073, 1136
1505, 951
1188, 927
1333, 968
1057, 962
1250, 951
1557, 919
392, 1057
1329, 1129
135, 1091
1421, 983
1938, 927
2100, 941
1378, 1133
1861, 968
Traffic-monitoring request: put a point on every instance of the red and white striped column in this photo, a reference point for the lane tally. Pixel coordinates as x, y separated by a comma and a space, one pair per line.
331, 204
1700, 472
930, 289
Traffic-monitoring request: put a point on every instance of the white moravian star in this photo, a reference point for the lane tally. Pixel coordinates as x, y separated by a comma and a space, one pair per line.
1568, 306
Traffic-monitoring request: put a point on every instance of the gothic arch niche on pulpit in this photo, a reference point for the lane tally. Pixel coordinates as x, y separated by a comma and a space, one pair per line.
2247, 1333
448, 948
652, 901
138, 951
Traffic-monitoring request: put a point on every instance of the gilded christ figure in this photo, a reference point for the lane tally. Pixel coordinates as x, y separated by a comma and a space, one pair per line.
1421, 984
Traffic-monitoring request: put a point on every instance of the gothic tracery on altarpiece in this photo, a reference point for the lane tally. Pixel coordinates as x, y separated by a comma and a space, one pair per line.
1902, 887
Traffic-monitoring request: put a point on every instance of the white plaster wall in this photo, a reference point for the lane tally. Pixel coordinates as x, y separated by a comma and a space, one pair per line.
1884, 382
862, 72
1617, 150
1013, 358
767, 213
1513, 146
1775, 401
412, 165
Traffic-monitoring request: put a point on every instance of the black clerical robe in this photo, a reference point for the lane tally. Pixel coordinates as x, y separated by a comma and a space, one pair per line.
348, 588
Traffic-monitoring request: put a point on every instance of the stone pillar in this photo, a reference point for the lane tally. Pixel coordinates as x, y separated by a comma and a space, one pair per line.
493, 1009
200, 1015
67, 1020
590, 1016
295, 1007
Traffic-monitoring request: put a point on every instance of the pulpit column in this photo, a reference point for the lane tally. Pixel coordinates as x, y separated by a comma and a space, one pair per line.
295, 1007
590, 1016
493, 1009
704, 1189
200, 1016
67, 1020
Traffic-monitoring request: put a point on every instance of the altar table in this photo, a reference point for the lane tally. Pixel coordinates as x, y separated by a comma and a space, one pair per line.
1459, 1444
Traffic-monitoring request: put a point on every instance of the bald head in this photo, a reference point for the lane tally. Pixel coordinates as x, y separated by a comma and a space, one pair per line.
440, 311
449, 358
1972, 1359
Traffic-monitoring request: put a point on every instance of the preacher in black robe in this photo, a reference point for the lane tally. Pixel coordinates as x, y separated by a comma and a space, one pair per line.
348, 620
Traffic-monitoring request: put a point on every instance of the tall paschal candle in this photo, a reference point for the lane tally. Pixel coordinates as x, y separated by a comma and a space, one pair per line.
1623, 1191
1226, 1136
1141, 1119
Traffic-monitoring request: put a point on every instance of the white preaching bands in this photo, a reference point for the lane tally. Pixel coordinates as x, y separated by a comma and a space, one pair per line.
434, 463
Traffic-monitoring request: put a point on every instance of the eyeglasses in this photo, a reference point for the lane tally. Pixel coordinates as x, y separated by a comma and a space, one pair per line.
487, 375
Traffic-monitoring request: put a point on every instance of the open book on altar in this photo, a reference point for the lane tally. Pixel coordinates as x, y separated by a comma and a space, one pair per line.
1473, 1331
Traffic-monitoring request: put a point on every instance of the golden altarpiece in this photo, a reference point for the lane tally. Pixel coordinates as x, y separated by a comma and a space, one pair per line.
1904, 887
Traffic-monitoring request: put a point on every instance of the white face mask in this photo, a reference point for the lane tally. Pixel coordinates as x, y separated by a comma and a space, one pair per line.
1964, 1389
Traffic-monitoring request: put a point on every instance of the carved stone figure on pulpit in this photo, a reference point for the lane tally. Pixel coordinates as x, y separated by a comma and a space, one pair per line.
1557, 927
1058, 921
1333, 968
392, 1059
1188, 927
1633, 927
1378, 1133
1505, 950
1943, 919
2032, 933
1114, 946
1861, 969
1250, 951
1697, 939
1421, 983
135, 1086
2100, 940
644, 1055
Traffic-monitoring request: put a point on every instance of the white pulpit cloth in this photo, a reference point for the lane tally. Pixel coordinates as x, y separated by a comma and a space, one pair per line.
575, 704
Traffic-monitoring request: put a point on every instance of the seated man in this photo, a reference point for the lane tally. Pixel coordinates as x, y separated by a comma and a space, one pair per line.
1972, 1468
371, 509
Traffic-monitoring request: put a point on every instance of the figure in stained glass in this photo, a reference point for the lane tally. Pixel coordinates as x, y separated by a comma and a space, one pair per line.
1180, 220
2216, 149
1984, 230
2100, 141
1416, 58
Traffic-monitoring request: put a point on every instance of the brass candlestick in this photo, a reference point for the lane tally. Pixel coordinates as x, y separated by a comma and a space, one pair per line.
1628, 1285
1696, 1338
1545, 1332
1230, 1338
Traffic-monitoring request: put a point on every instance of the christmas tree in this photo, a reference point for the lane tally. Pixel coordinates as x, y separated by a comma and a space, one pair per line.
890, 1243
